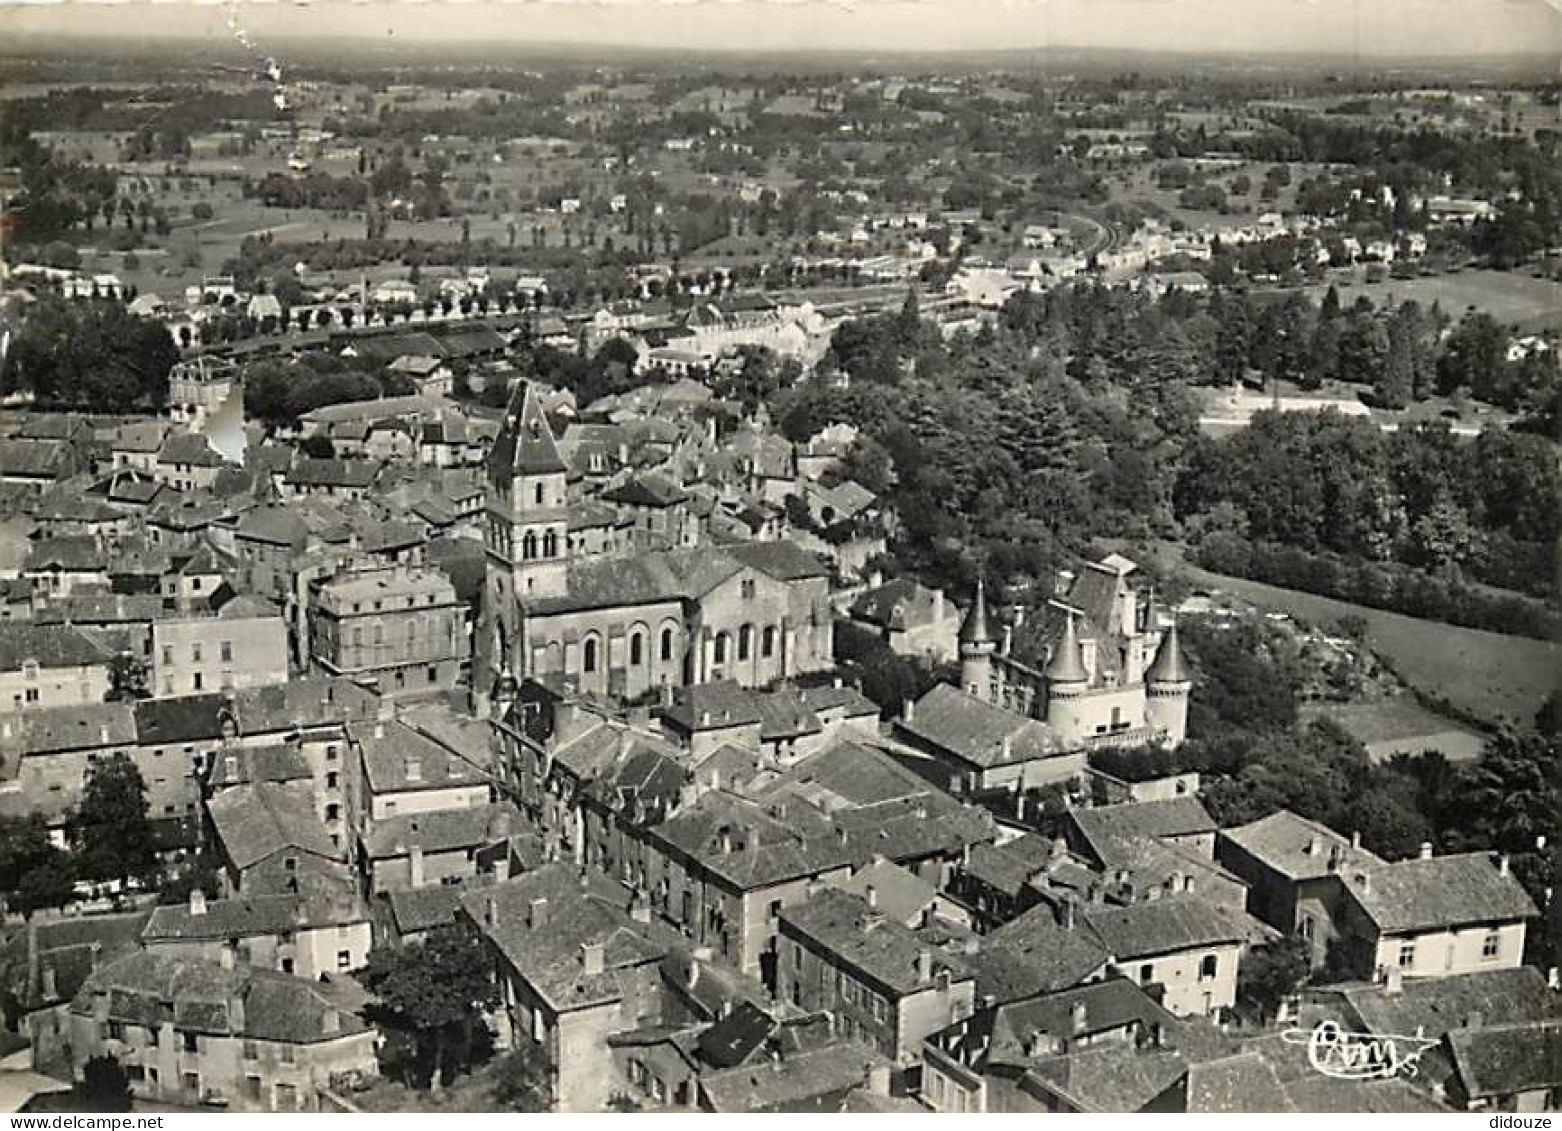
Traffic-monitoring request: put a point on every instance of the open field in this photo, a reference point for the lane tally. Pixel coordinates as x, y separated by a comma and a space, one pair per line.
1511, 297
1401, 725
1485, 674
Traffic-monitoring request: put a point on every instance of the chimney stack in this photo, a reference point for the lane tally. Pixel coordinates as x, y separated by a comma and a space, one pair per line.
1426, 850
1502, 864
873, 897
49, 987
592, 959
924, 965
197, 901
537, 913
1393, 981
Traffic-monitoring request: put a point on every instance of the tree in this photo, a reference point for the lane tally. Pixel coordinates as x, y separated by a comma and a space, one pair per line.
95, 356
437, 992
105, 1085
1269, 975
127, 677
34, 873
110, 831
318, 446
522, 1079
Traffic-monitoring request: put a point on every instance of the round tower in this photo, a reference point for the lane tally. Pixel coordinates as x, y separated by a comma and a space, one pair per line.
977, 647
1067, 683
1168, 684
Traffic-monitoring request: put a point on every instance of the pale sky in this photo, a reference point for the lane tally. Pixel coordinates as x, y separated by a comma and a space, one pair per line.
1467, 28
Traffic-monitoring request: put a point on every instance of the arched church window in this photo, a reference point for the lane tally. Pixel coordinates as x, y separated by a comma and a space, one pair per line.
588, 661
636, 649
550, 545
745, 641
767, 642
667, 644
721, 648
529, 546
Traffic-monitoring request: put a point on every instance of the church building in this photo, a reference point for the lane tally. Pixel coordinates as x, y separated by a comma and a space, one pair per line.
628, 625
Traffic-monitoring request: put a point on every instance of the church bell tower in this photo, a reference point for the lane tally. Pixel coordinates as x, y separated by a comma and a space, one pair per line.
526, 536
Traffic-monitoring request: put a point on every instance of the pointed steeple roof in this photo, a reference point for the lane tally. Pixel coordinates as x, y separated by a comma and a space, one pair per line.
1068, 662
1170, 666
975, 630
525, 444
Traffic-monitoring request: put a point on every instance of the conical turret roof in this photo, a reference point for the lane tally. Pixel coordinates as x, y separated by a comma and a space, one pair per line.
525, 444
975, 630
1170, 666
1068, 662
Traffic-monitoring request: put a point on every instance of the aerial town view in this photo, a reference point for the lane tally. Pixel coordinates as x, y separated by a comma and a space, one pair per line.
851, 558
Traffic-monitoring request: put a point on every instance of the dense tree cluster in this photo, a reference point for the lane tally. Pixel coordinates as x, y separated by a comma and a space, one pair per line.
277, 392
1488, 508
95, 356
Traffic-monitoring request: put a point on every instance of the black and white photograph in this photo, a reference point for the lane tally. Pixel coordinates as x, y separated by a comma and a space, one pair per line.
857, 557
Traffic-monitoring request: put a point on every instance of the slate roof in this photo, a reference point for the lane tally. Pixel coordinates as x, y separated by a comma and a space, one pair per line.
1502, 1060
525, 444
33, 459
1236, 1084
712, 706
188, 448
1006, 867
649, 489
784, 561
149, 987
1004, 1033
901, 894
791, 1083
1161, 926
1110, 831
78, 553
312, 471
391, 749
1441, 891
1280, 841
951, 719
580, 909
1036, 954
257, 820
902, 603
1437, 1005
423, 909
50, 646
86, 726
438, 830
241, 764
247, 916
868, 942
643, 579
1105, 1080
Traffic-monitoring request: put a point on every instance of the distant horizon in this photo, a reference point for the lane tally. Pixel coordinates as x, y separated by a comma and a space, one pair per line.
1382, 31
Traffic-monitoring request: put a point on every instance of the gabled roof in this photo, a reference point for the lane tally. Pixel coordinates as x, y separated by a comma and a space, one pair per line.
439, 830
257, 820
1437, 1005
245, 916
542, 921
869, 943
1162, 926
1439, 891
1503, 1060
49, 646
1110, 830
1297, 848
951, 719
